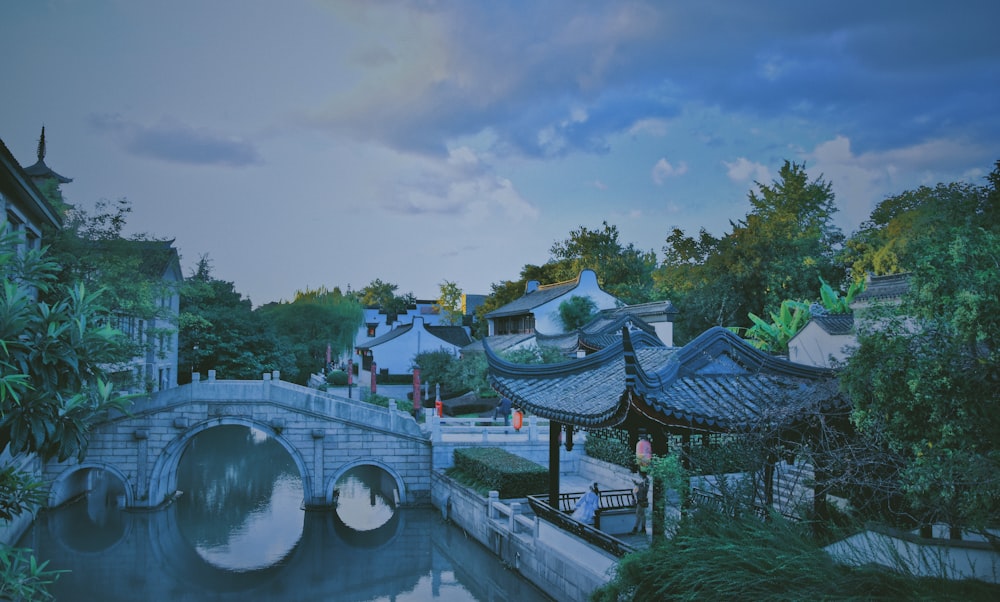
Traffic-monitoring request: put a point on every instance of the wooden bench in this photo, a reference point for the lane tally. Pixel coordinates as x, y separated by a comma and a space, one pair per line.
615, 514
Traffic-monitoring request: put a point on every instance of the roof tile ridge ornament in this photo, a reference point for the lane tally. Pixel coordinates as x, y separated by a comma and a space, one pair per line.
575, 280
632, 367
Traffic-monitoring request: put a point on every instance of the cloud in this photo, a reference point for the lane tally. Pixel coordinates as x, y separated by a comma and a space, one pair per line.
168, 140
861, 181
743, 170
461, 186
437, 71
663, 170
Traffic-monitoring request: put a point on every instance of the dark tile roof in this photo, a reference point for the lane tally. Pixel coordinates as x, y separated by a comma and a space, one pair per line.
893, 286
456, 335
453, 335
392, 334
715, 382
42, 171
16, 183
603, 330
835, 323
529, 301
498, 343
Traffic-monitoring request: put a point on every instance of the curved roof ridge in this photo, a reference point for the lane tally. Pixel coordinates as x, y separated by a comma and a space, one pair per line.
568, 367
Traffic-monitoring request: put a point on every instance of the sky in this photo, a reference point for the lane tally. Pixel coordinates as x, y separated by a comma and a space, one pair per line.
315, 143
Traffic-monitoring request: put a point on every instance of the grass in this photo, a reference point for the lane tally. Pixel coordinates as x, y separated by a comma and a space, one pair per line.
713, 557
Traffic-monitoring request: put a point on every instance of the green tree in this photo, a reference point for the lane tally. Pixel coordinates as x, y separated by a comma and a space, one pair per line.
623, 270
307, 325
383, 296
925, 374
52, 384
576, 311
501, 293
220, 331
90, 249
776, 252
890, 241
449, 303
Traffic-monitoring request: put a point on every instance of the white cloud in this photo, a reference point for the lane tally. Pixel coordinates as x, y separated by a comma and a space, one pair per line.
861, 181
663, 170
653, 127
743, 170
461, 186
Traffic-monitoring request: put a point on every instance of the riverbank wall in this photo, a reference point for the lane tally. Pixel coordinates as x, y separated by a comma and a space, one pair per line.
565, 567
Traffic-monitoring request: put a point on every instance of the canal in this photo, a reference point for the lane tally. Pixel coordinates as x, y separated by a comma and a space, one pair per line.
238, 532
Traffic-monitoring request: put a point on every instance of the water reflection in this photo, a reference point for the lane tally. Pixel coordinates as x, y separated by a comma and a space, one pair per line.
241, 508
237, 535
366, 498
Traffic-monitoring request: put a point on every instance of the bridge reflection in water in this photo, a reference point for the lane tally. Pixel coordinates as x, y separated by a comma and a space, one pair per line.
239, 533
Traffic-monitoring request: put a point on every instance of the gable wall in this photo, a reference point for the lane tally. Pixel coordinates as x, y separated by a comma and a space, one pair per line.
813, 346
547, 320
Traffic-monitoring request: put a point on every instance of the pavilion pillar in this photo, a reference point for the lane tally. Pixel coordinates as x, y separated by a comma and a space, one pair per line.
769, 481
661, 447
555, 430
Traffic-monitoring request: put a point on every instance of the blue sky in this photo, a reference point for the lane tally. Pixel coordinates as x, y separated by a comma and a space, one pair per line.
311, 143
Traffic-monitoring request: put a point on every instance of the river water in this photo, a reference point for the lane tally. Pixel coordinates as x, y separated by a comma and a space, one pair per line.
238, 532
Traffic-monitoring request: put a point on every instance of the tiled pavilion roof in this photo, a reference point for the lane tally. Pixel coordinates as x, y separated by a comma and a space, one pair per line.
717, 382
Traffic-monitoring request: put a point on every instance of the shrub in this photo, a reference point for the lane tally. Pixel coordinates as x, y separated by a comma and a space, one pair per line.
495, 469
337, 378
715, 557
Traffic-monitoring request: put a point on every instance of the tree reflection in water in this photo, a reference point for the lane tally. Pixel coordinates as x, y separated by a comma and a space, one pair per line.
242, 503
239, 534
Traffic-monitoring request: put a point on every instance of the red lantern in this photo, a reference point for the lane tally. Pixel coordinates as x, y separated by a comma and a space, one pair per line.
643, 452
518, 419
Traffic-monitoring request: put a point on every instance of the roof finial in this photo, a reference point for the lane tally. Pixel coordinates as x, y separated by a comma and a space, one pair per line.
41, 145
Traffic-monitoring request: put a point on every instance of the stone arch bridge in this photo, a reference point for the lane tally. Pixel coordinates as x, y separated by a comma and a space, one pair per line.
325, 435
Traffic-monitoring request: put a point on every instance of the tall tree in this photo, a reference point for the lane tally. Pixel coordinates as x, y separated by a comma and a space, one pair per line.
622, 269
925, 375
220, 331
890, 241
307, 325
777, 252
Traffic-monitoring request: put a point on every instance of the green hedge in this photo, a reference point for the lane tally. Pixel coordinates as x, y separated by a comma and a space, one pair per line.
338, 378
496, 469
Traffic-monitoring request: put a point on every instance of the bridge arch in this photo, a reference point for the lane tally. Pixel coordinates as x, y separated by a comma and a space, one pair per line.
163, 476
63, 489
393, 474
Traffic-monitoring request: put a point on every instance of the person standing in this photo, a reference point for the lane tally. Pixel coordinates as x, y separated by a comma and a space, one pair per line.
641, 491
503, 409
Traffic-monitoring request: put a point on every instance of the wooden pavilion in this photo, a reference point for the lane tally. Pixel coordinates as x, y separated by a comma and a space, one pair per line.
716, 384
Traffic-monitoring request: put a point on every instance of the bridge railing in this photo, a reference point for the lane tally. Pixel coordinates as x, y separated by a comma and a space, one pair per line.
439, 426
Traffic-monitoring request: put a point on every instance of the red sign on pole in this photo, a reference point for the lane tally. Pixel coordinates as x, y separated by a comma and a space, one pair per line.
374, 371
416, 391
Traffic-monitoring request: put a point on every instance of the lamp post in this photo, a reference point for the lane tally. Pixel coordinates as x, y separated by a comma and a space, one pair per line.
194, 359
350, 377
